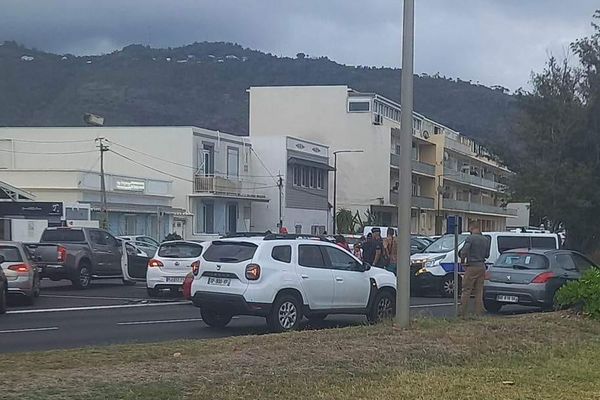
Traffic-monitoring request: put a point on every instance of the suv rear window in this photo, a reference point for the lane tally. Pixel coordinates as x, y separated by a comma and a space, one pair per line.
541, 242
180, 250
11, 254
522, 261
63, 236
230, 252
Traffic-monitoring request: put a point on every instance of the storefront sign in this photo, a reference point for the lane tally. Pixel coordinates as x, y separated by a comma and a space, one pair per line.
31, 209
130, 186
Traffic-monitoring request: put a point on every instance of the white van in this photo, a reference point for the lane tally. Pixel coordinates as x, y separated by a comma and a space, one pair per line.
433, 270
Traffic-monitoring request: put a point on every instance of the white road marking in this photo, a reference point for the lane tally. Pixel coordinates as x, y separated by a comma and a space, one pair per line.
164, 321
93, 308
432, 305
58, 296
52, 328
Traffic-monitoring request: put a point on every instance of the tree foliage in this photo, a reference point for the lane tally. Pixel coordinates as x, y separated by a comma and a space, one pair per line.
555, 148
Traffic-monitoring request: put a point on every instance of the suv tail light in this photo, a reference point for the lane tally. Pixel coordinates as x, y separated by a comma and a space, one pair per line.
195, 268
252, 272
543, 277
20, 267
155, 263
62, 254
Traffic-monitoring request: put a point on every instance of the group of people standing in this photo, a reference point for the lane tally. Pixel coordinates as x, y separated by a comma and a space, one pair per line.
375, 250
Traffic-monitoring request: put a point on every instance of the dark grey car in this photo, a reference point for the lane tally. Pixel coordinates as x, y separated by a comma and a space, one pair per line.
531, 277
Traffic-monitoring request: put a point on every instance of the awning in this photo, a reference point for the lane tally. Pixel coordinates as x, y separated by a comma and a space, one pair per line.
9, 192
138, 208
310, 163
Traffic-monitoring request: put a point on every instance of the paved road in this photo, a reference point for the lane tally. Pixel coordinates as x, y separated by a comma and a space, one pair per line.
110, 313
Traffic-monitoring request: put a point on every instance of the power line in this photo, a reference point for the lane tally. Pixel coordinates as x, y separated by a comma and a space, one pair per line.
52, 141
262, 163
48, 153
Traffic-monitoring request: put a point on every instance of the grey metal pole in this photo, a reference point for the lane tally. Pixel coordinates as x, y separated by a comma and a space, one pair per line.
456, 284
334, 190
404, 190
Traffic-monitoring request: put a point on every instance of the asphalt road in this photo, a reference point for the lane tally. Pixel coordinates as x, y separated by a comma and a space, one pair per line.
110, 313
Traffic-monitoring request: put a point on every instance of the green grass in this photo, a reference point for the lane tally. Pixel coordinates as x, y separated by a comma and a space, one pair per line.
542, 356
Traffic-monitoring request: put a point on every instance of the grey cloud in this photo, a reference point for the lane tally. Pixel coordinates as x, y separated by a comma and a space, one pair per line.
492, 41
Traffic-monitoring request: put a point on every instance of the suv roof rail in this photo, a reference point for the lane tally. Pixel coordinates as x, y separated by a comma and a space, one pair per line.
292, 236
244, 234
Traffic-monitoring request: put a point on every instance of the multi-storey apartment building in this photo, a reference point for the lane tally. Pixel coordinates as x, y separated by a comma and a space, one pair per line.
451, 174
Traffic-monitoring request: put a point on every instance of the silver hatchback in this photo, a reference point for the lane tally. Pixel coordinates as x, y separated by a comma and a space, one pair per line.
22, 275
531, 277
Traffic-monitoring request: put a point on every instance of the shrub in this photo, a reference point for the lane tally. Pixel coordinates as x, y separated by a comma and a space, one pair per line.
584, 293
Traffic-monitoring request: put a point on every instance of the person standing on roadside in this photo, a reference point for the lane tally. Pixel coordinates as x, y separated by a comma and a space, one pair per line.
473, 255
340, 240
391, 249
373, 248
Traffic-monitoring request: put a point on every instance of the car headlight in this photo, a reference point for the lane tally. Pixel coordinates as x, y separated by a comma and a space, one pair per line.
421, 271
432, 261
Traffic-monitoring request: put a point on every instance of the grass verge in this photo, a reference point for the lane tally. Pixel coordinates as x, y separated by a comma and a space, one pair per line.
539, 356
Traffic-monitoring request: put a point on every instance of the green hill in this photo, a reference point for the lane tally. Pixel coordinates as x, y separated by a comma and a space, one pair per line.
204, 84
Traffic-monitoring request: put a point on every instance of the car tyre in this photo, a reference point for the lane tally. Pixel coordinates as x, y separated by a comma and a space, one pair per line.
383, 307
2, 299
286, 314
492, 306
447, 286
215, 320
84, 277
37, 287
153, 292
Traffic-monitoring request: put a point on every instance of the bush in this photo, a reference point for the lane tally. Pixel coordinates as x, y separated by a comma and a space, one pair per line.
584, 293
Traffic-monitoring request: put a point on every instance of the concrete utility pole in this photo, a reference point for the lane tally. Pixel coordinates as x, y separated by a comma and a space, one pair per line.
103, 208
404, 190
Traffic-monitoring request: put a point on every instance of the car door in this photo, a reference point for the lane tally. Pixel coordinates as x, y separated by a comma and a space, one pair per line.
351, 284
582, 264
137, 262
315, 276
567, 270
114, 254
100, 252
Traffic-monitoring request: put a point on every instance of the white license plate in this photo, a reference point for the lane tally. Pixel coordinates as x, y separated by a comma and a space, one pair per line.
219, 281
175, 279
507, 299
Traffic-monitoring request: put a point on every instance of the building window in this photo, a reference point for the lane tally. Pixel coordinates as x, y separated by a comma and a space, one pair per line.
205, 217
398, 149
437, 130
308, 177
233, 162
359, 106
415, 152
417, 123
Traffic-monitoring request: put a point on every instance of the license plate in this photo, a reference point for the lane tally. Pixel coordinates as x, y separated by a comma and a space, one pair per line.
507, 299
175, 279
219, 281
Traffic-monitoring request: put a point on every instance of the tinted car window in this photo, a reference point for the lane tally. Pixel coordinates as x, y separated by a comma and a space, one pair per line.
340, 259
521, 261
311, 256
230, 252
63, 236
282, 253
97, 237
581, 263
543, 242
180, 250
565, 261
512, 242
11, 254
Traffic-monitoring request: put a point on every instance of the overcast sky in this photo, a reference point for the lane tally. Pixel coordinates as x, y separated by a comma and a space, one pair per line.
490, 41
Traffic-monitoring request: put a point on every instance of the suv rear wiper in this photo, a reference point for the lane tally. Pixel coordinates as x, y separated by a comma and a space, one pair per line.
227, 259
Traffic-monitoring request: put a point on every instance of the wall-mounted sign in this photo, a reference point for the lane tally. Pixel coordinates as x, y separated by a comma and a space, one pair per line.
31, 208
130, 185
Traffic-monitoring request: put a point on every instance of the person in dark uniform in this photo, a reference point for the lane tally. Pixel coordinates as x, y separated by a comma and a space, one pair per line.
373, 248
473, 255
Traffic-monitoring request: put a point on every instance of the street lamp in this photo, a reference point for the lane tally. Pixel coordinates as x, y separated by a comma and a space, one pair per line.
335, 153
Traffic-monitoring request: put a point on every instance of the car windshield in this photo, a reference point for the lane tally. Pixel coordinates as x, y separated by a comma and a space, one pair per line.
444, 244
63, 236
180, 250
230, 252
521, 261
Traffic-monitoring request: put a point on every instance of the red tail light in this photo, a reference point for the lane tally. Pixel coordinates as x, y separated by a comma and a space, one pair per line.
62, 254
543, 277
195, 268
20, 268
154, 263
252, 272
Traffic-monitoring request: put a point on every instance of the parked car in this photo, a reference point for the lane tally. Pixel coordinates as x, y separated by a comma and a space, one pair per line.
20, 270
145, 243
169, 267
3, 291
433, 270
286, 277
531, 277
78, 254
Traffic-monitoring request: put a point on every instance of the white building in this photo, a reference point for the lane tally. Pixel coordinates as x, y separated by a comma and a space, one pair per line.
159, 180
451, 174
304, 170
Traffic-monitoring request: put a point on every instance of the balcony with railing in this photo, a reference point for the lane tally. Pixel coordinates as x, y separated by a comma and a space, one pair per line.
467, 206
417, 166
415, 202
466, 178
222, 186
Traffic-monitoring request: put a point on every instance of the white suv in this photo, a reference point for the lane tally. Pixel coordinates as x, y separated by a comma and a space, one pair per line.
284, 278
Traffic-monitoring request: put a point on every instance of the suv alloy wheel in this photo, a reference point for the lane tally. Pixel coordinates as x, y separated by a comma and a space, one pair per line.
286, 314
383, 308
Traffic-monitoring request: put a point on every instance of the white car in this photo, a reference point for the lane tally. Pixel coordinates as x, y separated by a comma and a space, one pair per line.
172, 262
283, 278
